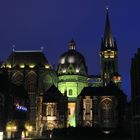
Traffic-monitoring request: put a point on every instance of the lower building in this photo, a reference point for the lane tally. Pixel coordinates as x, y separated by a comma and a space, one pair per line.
52, 110
100, 106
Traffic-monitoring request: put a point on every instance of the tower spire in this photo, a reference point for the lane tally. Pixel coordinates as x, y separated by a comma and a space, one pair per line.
109, 55
108, 39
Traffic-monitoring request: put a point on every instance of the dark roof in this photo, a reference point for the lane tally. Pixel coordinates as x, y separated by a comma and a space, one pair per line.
52, 94
73, 53
72, 60
110, 90
78, 61
27, 58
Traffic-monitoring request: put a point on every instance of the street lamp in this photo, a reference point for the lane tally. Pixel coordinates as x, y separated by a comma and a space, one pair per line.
11, 128
29, 129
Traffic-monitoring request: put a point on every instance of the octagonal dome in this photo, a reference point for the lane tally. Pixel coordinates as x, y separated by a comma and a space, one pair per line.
72, 62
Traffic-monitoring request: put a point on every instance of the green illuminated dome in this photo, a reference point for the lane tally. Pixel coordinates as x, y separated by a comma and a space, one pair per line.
72, 62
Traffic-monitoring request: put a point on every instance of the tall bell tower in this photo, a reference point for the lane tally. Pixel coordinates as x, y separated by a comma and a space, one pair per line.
109, 56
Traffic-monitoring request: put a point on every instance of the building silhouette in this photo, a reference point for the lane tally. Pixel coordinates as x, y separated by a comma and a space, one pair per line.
135, 94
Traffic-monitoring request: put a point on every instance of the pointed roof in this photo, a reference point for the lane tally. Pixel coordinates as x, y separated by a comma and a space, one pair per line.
110, 90
52, 95
108, 38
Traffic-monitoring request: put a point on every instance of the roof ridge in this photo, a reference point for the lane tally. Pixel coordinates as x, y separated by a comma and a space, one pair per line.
28, 51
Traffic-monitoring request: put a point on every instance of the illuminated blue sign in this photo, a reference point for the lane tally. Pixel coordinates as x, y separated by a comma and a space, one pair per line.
21, 108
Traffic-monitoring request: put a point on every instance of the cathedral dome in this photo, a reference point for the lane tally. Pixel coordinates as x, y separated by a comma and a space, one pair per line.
72, 62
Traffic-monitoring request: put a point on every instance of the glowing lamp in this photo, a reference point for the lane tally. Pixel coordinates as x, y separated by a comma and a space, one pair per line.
31, 66
117, 78
64, 70
77, 70
28, 127
9, 66
47, 66
11, 127
22, 66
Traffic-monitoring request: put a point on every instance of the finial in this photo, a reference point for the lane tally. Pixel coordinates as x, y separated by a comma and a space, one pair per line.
13, 47
42, 48
107, 7
72, 45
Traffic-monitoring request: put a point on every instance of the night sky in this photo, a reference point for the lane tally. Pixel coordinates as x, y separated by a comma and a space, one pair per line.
31, 24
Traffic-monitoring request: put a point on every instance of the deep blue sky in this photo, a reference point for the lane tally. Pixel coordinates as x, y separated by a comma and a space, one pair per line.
30, 24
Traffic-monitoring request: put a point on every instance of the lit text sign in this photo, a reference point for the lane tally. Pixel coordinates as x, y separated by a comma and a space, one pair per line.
18, 107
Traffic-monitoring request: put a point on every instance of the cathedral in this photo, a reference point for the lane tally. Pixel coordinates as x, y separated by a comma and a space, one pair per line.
69, 96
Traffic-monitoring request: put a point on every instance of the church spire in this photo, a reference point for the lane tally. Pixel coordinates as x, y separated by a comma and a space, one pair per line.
108, 38
109, 55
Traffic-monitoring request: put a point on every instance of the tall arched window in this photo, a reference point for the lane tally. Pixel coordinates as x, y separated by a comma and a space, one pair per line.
51, 109
31, 81
17, 78
106, 112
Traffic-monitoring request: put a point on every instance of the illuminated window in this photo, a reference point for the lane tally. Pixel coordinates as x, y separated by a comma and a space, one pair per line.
106, 56
71, 59
77, 70
62, 61
107, 111
111, 56
49, 109
87, 106
64, 70
31, 81
54, 109
105, 75
70, 92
